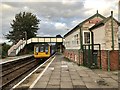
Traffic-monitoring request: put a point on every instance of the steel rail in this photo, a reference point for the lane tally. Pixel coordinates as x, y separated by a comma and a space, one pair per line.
14, 74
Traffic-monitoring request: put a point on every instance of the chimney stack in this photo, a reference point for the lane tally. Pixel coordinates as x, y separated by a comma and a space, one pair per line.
112, 13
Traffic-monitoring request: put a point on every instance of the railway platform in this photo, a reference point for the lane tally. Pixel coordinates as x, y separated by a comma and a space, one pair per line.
63, 73
10, 59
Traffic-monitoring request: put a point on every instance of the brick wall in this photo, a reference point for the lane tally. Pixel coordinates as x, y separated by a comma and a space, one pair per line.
113, 59
114, 62
104, 60
74, 56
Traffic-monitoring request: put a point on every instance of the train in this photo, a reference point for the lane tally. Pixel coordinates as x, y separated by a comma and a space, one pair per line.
42, 51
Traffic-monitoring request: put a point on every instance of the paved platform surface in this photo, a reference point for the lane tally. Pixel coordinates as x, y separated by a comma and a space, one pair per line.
9, 59
65, 74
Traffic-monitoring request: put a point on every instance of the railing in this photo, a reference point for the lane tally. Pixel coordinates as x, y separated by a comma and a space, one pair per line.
14, 50
20, 46
11, 49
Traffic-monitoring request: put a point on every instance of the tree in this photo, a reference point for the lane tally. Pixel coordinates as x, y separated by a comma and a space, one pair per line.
3, 49
24, 22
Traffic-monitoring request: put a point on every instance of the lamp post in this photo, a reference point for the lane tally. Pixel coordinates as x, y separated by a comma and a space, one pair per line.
25, 50
25, 36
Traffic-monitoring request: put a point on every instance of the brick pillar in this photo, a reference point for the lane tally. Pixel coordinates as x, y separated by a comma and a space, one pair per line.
81, 58
104, 59
114, 60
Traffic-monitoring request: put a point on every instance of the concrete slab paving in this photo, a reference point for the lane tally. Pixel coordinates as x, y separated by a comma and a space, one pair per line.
87, 80
54, 82
63, 74
44, 78
65, 79
41, 84
66, 84
50, 87
78, 82
75, 77
92, 85
55, 77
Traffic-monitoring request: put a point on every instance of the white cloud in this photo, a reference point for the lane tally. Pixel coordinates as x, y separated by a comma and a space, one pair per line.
69, 2
26, 8
43, 35
60, 26
103, 6
6, 7
3, 40
75, 22
63, 1
56, 15
96, 4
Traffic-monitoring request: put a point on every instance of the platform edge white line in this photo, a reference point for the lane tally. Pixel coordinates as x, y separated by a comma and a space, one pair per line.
41, 74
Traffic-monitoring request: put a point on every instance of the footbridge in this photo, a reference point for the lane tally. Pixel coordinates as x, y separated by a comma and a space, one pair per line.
15, 49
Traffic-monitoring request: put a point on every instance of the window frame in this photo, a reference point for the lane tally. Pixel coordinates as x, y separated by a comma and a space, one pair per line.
84, 37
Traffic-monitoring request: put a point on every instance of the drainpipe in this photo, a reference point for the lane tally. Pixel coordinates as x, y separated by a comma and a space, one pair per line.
80, 46
81, 39
108, 54
119, 55
79, 57
92, 41
112, 30
100, 56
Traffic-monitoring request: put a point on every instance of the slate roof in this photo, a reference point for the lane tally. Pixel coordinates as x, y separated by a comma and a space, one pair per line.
80, 24
101, 23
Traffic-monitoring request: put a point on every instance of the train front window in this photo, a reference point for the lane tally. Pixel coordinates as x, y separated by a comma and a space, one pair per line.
37, 49
41, 49
46, 49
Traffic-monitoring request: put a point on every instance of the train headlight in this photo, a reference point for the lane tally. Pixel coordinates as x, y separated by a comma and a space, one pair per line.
36, 53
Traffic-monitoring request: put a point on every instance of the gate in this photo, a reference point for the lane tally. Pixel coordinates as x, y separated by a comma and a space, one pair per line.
91, 55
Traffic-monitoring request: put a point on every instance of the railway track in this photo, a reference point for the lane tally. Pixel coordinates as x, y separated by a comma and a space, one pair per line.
12, 64
29, 80
13, 70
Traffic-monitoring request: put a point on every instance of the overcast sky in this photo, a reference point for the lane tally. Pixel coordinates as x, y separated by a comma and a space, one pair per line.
57, 16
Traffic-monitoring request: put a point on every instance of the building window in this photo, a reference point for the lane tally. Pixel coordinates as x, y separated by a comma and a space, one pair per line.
86, 37
67, 43
76, 39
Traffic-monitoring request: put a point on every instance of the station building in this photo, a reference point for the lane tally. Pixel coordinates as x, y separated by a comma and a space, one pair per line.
94, 43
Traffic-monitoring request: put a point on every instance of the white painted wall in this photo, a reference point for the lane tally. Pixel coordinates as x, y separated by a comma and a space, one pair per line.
72, 41
103, 36
99, 36
70, 38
